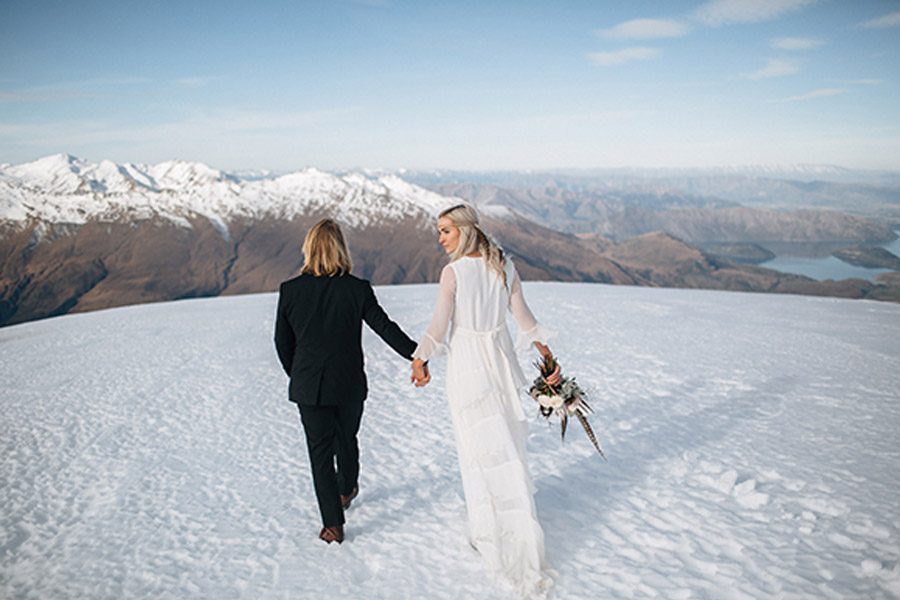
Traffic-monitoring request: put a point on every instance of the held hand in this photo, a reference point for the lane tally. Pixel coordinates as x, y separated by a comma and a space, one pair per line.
426, 379
420, 375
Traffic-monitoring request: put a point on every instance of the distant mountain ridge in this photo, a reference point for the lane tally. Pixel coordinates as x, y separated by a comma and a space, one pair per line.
626, 211
65, 189
874, 194
77, 236
795, 172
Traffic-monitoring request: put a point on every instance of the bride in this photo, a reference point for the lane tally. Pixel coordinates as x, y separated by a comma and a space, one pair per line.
483, 379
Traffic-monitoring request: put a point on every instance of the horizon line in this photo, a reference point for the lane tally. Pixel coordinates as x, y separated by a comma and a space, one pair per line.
517, 170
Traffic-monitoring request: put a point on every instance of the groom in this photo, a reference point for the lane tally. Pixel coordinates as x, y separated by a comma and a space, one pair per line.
318, 331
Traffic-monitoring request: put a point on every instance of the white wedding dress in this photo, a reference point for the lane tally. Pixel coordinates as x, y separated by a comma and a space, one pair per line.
483, 383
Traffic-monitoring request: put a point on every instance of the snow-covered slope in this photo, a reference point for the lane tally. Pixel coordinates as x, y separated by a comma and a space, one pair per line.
150, 451
65, 189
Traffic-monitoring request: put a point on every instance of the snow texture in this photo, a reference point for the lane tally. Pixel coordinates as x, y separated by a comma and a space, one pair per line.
150, 451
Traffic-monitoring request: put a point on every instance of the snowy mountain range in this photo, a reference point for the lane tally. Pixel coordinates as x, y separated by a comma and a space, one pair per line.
64, 189
78, 236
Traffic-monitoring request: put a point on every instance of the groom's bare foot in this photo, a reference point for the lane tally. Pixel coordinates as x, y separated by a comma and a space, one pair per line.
332, 534
346, 500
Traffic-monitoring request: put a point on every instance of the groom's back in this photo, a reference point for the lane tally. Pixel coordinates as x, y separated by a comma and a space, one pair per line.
325, 314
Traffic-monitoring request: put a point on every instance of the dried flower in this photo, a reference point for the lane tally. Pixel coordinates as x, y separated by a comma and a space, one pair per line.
564, 399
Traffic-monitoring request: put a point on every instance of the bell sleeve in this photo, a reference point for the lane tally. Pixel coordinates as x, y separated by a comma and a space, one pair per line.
530, 330
432, 342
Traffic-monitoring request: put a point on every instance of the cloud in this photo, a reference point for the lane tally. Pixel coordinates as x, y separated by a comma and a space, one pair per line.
645, 29
776, 68
15, 96
859, 81
607, 59
883, 22
601, 117
726, 12
65, 90
194, 82
820, 93
795, 43
204, 125
42, 95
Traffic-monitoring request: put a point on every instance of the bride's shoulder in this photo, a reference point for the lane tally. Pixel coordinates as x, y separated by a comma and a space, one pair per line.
509, 266
449, 270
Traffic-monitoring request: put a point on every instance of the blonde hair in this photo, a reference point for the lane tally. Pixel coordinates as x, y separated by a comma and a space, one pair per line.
472, 238
325, 251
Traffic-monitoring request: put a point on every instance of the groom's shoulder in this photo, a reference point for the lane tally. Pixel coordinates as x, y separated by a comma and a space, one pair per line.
355, 282
295, 282
305, 280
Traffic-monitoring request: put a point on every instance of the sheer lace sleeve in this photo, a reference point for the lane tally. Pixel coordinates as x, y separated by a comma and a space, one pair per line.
432, 342
530, 330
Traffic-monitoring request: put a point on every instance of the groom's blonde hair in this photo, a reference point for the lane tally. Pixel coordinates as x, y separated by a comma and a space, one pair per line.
325, 251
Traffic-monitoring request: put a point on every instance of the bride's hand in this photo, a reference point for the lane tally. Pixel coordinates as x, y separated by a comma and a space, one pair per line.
420, 375
556, 376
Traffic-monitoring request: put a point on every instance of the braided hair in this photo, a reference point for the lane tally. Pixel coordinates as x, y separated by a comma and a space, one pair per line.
472, 238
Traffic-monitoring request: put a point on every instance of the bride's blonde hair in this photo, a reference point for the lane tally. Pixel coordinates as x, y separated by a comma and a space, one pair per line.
472, 238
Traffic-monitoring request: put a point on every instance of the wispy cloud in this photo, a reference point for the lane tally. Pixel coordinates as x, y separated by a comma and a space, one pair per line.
883, 22
66, 90
42, 95
775, 68
645, 29
819, 93
195, 82
726, 12
13, 96
795, 43
859, 81
97, 82
601, 117
619, 57
223, 124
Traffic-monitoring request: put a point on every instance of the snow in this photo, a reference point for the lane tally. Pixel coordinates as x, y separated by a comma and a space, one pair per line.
65, 189
150, 451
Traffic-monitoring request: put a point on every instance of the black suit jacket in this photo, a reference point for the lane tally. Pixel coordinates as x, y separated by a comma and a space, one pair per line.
318, 336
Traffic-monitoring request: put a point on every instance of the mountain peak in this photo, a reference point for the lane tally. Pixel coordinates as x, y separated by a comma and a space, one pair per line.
64, 188
54, 163
173, 174
57, 173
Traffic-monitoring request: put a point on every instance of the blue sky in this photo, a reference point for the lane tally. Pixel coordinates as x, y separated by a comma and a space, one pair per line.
453, 85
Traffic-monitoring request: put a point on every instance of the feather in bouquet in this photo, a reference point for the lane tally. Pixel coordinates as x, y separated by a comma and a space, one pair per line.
564, 399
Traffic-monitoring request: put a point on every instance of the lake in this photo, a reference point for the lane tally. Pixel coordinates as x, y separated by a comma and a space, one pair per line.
815, 260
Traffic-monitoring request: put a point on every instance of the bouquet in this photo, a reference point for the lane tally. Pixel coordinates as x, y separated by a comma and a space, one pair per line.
565, 399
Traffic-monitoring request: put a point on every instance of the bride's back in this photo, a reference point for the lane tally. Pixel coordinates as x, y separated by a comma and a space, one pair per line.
481, 297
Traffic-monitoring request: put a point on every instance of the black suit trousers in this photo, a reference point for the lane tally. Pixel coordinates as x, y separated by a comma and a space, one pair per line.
331, 433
